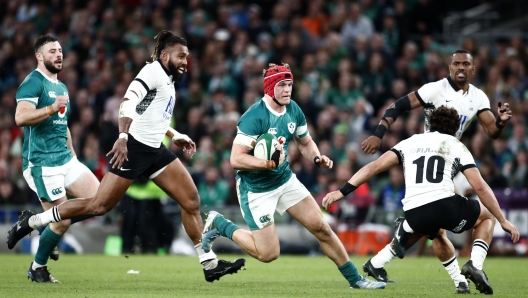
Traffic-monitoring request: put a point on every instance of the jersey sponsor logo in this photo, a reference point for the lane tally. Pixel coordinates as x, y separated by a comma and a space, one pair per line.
460, 226
291, 127
442, 150
52, 94
60, 122
56, 191
167, 114
272, 131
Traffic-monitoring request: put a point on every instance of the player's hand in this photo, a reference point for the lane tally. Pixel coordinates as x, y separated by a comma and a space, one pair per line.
183, 141
507, 226
324, 162
60, 103
331, 198
371, 145
120, 153
504, 111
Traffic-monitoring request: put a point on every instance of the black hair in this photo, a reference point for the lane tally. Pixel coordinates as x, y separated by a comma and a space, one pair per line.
463, 51
42, 40
165, 39
444, 120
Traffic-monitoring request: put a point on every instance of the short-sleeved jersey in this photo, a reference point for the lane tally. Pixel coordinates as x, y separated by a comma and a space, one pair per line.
44, 143
430, 162
260, 118
154, 112
446, 93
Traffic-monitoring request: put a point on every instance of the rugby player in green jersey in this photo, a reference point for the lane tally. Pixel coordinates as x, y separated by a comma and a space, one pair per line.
50, 166
266, 186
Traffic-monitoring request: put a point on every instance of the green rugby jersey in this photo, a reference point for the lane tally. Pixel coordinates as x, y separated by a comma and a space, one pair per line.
44, 143
259, 119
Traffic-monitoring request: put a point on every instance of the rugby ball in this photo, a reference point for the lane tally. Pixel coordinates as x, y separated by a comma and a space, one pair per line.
265, 146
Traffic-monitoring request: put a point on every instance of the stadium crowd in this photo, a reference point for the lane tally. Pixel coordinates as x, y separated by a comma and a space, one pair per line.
350, 61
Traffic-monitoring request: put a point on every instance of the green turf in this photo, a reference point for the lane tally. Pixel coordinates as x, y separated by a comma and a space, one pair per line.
176, 276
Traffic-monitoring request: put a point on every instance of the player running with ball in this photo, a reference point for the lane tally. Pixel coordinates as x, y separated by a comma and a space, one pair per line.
266, 186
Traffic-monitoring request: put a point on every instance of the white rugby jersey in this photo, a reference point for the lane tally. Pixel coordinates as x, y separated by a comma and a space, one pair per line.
154, 111
430, 162
446, 93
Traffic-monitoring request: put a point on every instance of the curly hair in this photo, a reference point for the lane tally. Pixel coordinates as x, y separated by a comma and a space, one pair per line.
444, 120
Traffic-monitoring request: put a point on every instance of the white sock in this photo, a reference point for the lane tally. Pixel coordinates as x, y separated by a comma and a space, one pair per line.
407, 228
44, 218
478, 253
208, 260
451, 266
35, 265
383, 257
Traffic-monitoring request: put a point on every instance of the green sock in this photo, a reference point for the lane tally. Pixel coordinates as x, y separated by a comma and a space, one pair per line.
225, 227
80, 218
350, 272
48, 241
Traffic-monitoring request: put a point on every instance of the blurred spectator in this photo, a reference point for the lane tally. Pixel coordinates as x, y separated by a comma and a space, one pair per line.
213, 191
391, 195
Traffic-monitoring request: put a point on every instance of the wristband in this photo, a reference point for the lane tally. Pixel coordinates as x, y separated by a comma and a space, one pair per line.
50, 110
347, 188
123, 135
497, 123
317, 161
380, 131
275, 157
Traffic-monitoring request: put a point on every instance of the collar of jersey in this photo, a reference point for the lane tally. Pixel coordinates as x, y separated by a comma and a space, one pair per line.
454, 86
46, 76
272, 110
165, 70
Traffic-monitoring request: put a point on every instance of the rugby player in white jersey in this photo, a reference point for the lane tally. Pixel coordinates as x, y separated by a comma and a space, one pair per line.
454, 91
144, 118
430, 162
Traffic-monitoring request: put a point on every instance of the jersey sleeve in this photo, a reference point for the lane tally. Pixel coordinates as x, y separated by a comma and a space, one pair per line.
148, 77
30, 91
484, 102
428, 93
398, 150
302, 127
466, 159
249, 128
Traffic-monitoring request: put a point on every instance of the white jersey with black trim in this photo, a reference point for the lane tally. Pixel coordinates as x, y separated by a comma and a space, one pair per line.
154, 111
446, 93
430, 162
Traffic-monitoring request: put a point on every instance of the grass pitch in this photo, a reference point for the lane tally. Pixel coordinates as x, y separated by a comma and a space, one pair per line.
289, 276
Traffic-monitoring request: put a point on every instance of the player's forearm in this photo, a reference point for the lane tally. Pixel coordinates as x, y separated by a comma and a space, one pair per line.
488, 199
246, 162
363, 175
124, 124
495, 129
28, 117
402, 105
309, 151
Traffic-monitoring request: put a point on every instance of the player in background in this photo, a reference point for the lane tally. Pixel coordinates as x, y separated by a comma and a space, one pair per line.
144, 120
456, 92
430, 162
50, 165
266, 186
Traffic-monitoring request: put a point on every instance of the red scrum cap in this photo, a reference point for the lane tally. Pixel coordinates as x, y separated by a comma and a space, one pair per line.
273, 75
